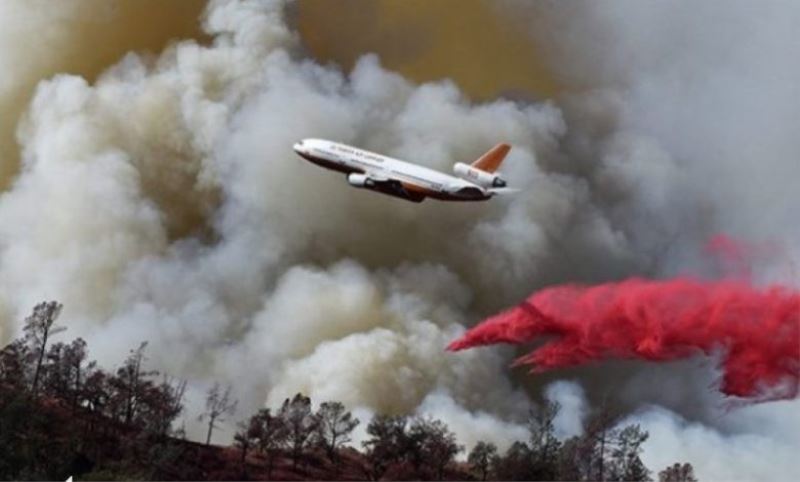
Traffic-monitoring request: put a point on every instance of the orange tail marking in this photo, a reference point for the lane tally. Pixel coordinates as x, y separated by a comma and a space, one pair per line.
490, 161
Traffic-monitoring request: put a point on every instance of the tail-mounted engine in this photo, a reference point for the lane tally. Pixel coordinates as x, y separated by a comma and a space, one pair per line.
481, 178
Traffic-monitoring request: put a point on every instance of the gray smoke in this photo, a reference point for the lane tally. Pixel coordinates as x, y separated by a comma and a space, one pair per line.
686, 127
163, 203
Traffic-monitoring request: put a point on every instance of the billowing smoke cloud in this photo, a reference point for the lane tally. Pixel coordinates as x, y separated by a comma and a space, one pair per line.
162, 202
573, 410
685, 128
79, 36
757, 332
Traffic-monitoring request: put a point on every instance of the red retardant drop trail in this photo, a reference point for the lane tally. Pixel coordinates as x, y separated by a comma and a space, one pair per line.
755, 331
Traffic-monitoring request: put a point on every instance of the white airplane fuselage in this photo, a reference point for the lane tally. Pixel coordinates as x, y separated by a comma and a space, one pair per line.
369, 170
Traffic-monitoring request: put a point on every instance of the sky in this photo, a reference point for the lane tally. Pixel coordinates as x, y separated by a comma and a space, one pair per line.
149, 185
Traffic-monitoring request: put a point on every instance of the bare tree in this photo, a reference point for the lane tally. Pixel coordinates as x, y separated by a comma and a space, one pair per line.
39, 328
481, 457
598, 441
335, 424
678, 473
130, 384
164, 403
218, 405
607, 452
301, 423
625, 454
544, 444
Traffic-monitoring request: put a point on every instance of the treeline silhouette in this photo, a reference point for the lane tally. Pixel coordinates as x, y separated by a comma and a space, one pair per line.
61, 415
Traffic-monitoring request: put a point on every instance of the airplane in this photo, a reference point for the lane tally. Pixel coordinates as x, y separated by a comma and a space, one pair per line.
369, 170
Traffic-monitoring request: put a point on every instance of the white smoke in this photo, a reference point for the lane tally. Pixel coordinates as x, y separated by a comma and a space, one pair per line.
573, 408
761, 442
164, 203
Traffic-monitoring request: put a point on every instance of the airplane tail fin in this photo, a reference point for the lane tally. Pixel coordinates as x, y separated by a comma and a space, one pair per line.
490, 161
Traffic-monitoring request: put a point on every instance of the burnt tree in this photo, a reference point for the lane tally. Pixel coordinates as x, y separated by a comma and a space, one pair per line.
39, 328
218, 405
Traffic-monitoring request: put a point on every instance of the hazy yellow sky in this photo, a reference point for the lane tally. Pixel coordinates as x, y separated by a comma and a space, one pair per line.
424, 40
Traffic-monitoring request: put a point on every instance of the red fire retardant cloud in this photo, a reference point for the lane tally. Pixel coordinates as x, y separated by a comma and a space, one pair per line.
756, 332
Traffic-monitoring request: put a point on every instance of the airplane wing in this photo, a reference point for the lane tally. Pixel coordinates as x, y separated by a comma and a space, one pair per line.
394, 186
391, 186
504, 190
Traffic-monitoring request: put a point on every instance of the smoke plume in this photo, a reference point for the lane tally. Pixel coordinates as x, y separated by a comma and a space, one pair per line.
157, 197
81, 37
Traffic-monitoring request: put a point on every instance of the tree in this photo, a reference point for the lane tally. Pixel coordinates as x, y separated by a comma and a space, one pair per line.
442, 447
270, 434
627, 446
12, 365
335, 424
569, 461
515, 464
387, 443
544, 444
129, 386
63, 374
597, 442
15, 419
301, 423
163, 403
75, 355
39, 328
606, 452
433, 444
678, 473
481, 457
96, 396
244, 441
218, 405
54, 374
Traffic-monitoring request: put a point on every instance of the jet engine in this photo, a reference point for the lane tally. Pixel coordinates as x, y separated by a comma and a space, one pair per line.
479, 177
359, 180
